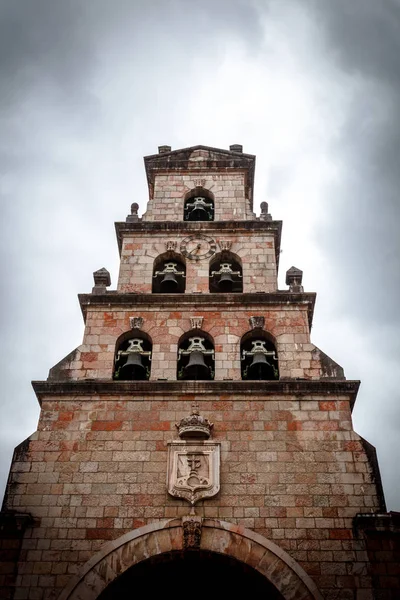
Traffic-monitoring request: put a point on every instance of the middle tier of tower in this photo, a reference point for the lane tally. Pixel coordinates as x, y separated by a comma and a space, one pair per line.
228, 256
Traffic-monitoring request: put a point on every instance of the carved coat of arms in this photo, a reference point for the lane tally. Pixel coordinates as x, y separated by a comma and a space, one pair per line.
193, 461
193, 469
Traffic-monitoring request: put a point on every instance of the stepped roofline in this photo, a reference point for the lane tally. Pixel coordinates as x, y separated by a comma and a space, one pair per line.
218, 159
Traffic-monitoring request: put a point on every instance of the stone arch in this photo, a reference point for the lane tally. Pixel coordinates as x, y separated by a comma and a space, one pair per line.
216, 536
256, 336
208, 204
208, 347
144, 350
179, 272
234, 272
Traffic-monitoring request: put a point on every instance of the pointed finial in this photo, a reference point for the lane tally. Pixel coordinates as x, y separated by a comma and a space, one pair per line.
294, 277
101, 280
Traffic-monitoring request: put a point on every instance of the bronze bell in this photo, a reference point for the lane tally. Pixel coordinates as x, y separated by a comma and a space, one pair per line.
169, 283
199, 213
260, 368
225, 283
133, 369
196, 367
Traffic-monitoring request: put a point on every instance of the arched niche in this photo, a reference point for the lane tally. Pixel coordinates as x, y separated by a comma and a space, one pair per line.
225, 273
258, 356
196, 356
220, 543
198, 205
169, 274
132, 359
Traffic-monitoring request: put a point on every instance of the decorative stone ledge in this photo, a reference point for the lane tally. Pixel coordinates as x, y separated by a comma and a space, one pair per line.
13, 523
377, 522
110, 387
113, 299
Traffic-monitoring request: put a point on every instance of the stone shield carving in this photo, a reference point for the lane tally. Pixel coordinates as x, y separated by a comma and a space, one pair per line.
193, 470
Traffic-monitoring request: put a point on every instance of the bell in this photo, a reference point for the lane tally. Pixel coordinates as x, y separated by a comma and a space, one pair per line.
169, 284
196, 367
260, 368
225, 283
199, 213
133, 368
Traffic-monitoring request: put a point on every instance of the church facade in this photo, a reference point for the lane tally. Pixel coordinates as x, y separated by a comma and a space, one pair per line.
197, 433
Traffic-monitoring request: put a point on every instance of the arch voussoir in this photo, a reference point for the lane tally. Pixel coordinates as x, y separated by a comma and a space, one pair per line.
217, 537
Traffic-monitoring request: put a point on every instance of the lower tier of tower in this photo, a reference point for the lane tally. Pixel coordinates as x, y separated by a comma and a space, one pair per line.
291, 470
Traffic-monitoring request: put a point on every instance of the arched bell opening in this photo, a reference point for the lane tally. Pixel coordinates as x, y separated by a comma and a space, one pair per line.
226, 274
223, 576
169, 274
133, 357
196, 357
198, 205
259, 359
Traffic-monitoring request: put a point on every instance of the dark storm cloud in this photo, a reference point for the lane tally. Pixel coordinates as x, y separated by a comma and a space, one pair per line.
60, 63
363, 40
45, 47
360, 231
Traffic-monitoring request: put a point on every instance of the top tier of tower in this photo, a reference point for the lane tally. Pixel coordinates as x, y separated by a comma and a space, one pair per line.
200, 184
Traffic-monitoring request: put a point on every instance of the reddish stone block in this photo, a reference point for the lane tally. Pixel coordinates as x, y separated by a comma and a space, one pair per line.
340, 534
66, 416
295, 426
105, 523
101, 534
89, 356
106, 425
327, 405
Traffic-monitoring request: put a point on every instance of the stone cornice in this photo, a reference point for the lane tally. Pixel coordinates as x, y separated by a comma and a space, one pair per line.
254, 301
108, 387
212, 227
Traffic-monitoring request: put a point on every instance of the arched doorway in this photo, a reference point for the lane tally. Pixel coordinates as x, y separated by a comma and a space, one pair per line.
161, 550
190, 572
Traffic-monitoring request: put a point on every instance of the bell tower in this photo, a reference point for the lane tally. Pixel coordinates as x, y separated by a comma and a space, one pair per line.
197, 426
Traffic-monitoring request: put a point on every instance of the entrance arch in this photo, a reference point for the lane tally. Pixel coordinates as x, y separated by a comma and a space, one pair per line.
232, 548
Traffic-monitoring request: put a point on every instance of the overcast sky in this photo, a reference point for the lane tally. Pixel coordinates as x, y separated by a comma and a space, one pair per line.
312, 87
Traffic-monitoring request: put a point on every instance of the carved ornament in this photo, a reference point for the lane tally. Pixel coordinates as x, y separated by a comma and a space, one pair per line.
170, 245
196, 322
136, 322
199, 182
191, 532
193, 469
257, 322
225, 245
194, 426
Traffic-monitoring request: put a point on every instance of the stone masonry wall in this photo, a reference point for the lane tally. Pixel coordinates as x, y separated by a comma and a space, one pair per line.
291, 470
288, 324
227, 188
256, 253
